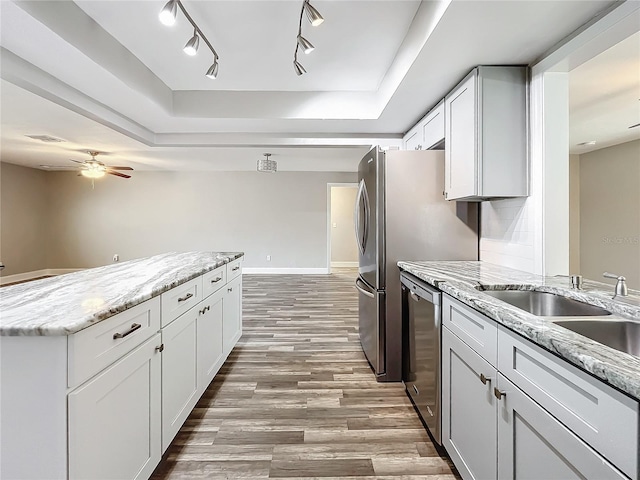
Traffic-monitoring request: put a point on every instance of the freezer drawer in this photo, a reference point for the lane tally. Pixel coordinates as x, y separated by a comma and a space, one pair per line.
371, 305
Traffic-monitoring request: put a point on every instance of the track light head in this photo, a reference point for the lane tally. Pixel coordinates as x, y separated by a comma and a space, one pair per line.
191, 48
313, 15
212, 73
306, 46
298, 68
168, 13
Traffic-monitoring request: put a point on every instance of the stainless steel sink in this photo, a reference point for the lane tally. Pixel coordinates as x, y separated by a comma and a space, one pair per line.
619, 334
545, 304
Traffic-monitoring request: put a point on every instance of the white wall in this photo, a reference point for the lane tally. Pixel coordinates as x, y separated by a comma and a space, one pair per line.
610, 212
343, 241
283, 215
23, 219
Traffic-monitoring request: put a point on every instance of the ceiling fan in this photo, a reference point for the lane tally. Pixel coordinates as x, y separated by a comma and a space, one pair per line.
93, 168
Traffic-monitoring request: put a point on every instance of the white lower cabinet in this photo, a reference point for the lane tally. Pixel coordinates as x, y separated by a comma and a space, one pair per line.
232, 311
179, 373
523, 418
469, 430
114, 419
210, 353
534, 445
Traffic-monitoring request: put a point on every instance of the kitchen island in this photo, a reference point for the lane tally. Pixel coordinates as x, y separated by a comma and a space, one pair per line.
523, 394
100, 368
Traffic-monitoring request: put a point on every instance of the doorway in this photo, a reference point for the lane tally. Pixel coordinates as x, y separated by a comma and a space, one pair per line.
342, 250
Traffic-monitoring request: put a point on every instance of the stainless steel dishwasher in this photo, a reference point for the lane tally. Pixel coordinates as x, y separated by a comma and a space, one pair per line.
421, 307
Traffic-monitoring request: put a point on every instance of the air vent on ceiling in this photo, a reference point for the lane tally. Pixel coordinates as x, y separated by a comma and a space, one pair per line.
46, 138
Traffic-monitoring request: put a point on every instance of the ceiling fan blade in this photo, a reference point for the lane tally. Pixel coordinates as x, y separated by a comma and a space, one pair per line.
120, 168
58, 167
118, 174
77, 161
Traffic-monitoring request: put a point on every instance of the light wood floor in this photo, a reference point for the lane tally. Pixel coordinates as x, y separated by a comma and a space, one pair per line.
297, 399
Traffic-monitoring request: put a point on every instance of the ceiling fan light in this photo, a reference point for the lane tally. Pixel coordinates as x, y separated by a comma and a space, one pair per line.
92, 173
191, 48
212, 73
168, 13
298, 68
306, 46
313, 15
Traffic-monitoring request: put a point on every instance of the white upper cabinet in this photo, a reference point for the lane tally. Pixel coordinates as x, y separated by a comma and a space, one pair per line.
486, 135
428, 132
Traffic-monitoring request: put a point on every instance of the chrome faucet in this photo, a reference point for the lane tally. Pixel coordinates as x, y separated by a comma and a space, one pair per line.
576, 282
621, 286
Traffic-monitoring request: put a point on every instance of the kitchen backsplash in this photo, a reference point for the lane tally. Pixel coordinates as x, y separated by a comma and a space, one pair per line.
507, 233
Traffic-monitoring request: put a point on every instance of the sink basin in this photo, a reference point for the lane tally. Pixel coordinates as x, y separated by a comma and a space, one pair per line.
545, 304
619, 334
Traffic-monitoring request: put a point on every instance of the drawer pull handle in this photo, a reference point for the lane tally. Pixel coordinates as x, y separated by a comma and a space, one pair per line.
499, 394
208, 307
204, 310
484, 379
160, 347
216, 280
133, 328
229, 289
237, 267
186, 297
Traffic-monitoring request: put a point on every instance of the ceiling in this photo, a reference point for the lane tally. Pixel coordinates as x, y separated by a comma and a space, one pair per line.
106, 75
604, 98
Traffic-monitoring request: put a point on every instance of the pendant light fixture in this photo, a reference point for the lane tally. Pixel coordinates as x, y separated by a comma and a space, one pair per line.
266, 165
168, 17
307, 47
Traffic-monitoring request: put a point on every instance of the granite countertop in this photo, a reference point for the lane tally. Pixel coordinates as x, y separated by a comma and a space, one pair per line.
68, 303
461, 280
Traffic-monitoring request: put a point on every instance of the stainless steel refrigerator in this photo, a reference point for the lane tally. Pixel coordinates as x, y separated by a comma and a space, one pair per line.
401, 214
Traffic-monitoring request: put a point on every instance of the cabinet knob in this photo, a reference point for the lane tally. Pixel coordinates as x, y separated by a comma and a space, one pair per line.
498, 393
160, 347
419, 147
484, 379
229, 289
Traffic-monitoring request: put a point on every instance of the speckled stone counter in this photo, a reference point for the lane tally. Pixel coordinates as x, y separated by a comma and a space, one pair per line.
465, 280
68, 303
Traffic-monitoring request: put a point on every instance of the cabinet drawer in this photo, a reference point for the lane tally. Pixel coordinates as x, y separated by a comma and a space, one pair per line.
234, 269
214, 280
180, 299
476, 330
603, 417
95, 348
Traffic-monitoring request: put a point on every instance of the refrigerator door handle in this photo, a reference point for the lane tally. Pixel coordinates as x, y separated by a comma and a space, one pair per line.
362, 199
362, 290
356, 216
367, 212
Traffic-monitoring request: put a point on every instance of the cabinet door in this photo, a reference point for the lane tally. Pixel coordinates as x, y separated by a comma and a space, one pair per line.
469, 430
413, 139
179, 373
461, 153
534, 445
433, 126
232, 315
210, 352
114, 419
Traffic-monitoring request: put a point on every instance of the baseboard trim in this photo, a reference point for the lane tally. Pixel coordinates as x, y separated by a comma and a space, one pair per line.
284, 271
344, 264
21, 277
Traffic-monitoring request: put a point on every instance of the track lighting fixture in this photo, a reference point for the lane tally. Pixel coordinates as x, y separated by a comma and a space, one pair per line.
298, 68
212, 73
313, 15
168, 17
191, 48
306, 45
168, 13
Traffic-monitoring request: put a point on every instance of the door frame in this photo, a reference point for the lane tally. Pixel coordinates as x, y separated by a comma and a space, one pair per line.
329, 187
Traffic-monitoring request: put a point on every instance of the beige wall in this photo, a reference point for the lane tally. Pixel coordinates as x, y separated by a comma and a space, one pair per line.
283, 215
610, 212
343, 241
574, 214
23, 219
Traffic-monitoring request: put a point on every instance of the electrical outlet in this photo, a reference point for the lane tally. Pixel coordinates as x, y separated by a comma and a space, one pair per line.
116, 258
268, 258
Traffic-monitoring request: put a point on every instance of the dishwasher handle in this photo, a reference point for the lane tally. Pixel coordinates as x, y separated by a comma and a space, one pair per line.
362, 290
